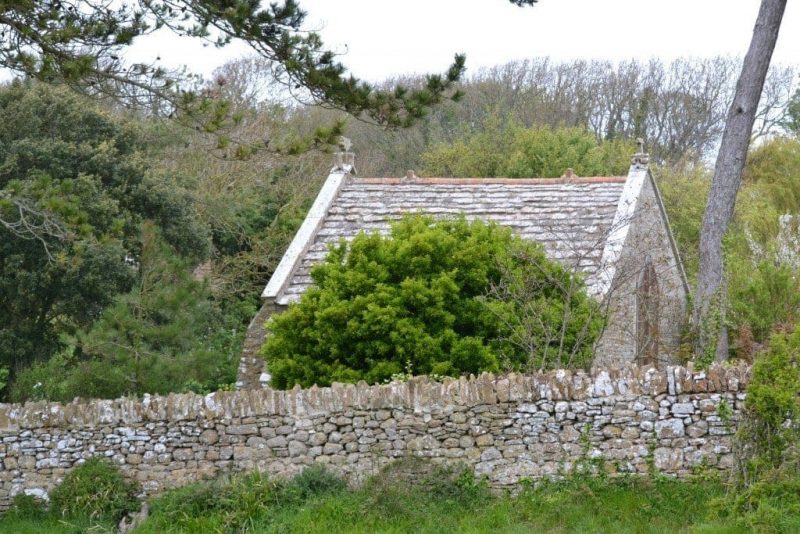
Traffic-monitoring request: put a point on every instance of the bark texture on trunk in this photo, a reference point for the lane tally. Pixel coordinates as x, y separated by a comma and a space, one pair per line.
708, 321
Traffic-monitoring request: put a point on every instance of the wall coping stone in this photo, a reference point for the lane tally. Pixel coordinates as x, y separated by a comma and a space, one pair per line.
420, 394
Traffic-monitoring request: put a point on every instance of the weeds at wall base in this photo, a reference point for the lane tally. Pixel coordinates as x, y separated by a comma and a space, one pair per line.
416, 495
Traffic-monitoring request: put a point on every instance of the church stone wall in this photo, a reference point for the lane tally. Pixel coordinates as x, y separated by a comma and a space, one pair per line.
507, 428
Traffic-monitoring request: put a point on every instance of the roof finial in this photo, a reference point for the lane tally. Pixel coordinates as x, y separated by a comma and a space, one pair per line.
569, 175
345, 160
641, 157
410, 176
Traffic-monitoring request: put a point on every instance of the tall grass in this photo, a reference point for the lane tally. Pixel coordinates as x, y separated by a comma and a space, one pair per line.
415, 496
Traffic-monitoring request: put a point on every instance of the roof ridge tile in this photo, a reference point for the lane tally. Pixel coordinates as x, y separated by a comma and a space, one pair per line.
490, 181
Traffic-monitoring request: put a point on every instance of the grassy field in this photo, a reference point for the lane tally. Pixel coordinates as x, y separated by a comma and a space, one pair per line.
443, 501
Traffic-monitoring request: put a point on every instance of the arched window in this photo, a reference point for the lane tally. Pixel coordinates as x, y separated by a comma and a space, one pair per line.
647, 315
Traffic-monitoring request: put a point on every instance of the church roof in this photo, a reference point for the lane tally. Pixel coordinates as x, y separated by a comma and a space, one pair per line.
581, 222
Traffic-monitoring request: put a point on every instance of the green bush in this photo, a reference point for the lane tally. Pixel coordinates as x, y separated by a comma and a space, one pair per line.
443, 297
766, 492
762, 297
772, 408
516, 152
237, 503
95, 490
684, 191
225, 504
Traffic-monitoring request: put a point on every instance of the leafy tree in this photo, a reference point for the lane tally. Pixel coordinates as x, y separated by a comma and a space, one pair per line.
517, 152
422, 298
252, 207
792, 120
166, 334
73, 193
82, 44
774, 169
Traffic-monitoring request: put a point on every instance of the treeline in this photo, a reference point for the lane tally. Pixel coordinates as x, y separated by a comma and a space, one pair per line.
133, 248
677, 108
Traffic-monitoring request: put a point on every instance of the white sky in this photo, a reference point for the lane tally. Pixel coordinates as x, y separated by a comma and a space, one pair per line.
382, 38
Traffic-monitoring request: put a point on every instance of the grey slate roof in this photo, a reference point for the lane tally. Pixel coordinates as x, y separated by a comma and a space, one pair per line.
571, 219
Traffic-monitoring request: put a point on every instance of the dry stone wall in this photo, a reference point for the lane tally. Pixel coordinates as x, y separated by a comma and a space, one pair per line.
506, 427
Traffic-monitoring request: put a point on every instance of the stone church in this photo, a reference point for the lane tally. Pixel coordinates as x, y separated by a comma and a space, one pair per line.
614, 230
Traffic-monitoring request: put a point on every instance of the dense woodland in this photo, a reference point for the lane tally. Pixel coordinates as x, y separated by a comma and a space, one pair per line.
135, 245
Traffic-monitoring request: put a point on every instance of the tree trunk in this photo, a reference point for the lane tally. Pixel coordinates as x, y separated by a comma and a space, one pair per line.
709, 298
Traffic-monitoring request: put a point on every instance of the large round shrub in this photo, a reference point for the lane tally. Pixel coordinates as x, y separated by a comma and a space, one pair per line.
439, 297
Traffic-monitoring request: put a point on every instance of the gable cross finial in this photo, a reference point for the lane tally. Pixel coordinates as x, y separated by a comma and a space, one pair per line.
641, 157
345, 160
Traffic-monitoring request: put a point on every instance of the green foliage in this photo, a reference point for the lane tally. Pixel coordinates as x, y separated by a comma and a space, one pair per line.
160, 330
423, 295
515, 152
253, 223
684, 191
223, 505
247, 503
408, 373
763, 287
763, 297
28, 507
50, 526
775, 167
239, 502
95, 490
542, 152
773, 406
725, 412
478, 154
763, 290
83, 45
167, 334
766, 494
413, 496
792, 120
73, 193
314, 481
3, 378
532, 300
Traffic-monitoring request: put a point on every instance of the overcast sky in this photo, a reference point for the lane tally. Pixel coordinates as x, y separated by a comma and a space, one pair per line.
382, 38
